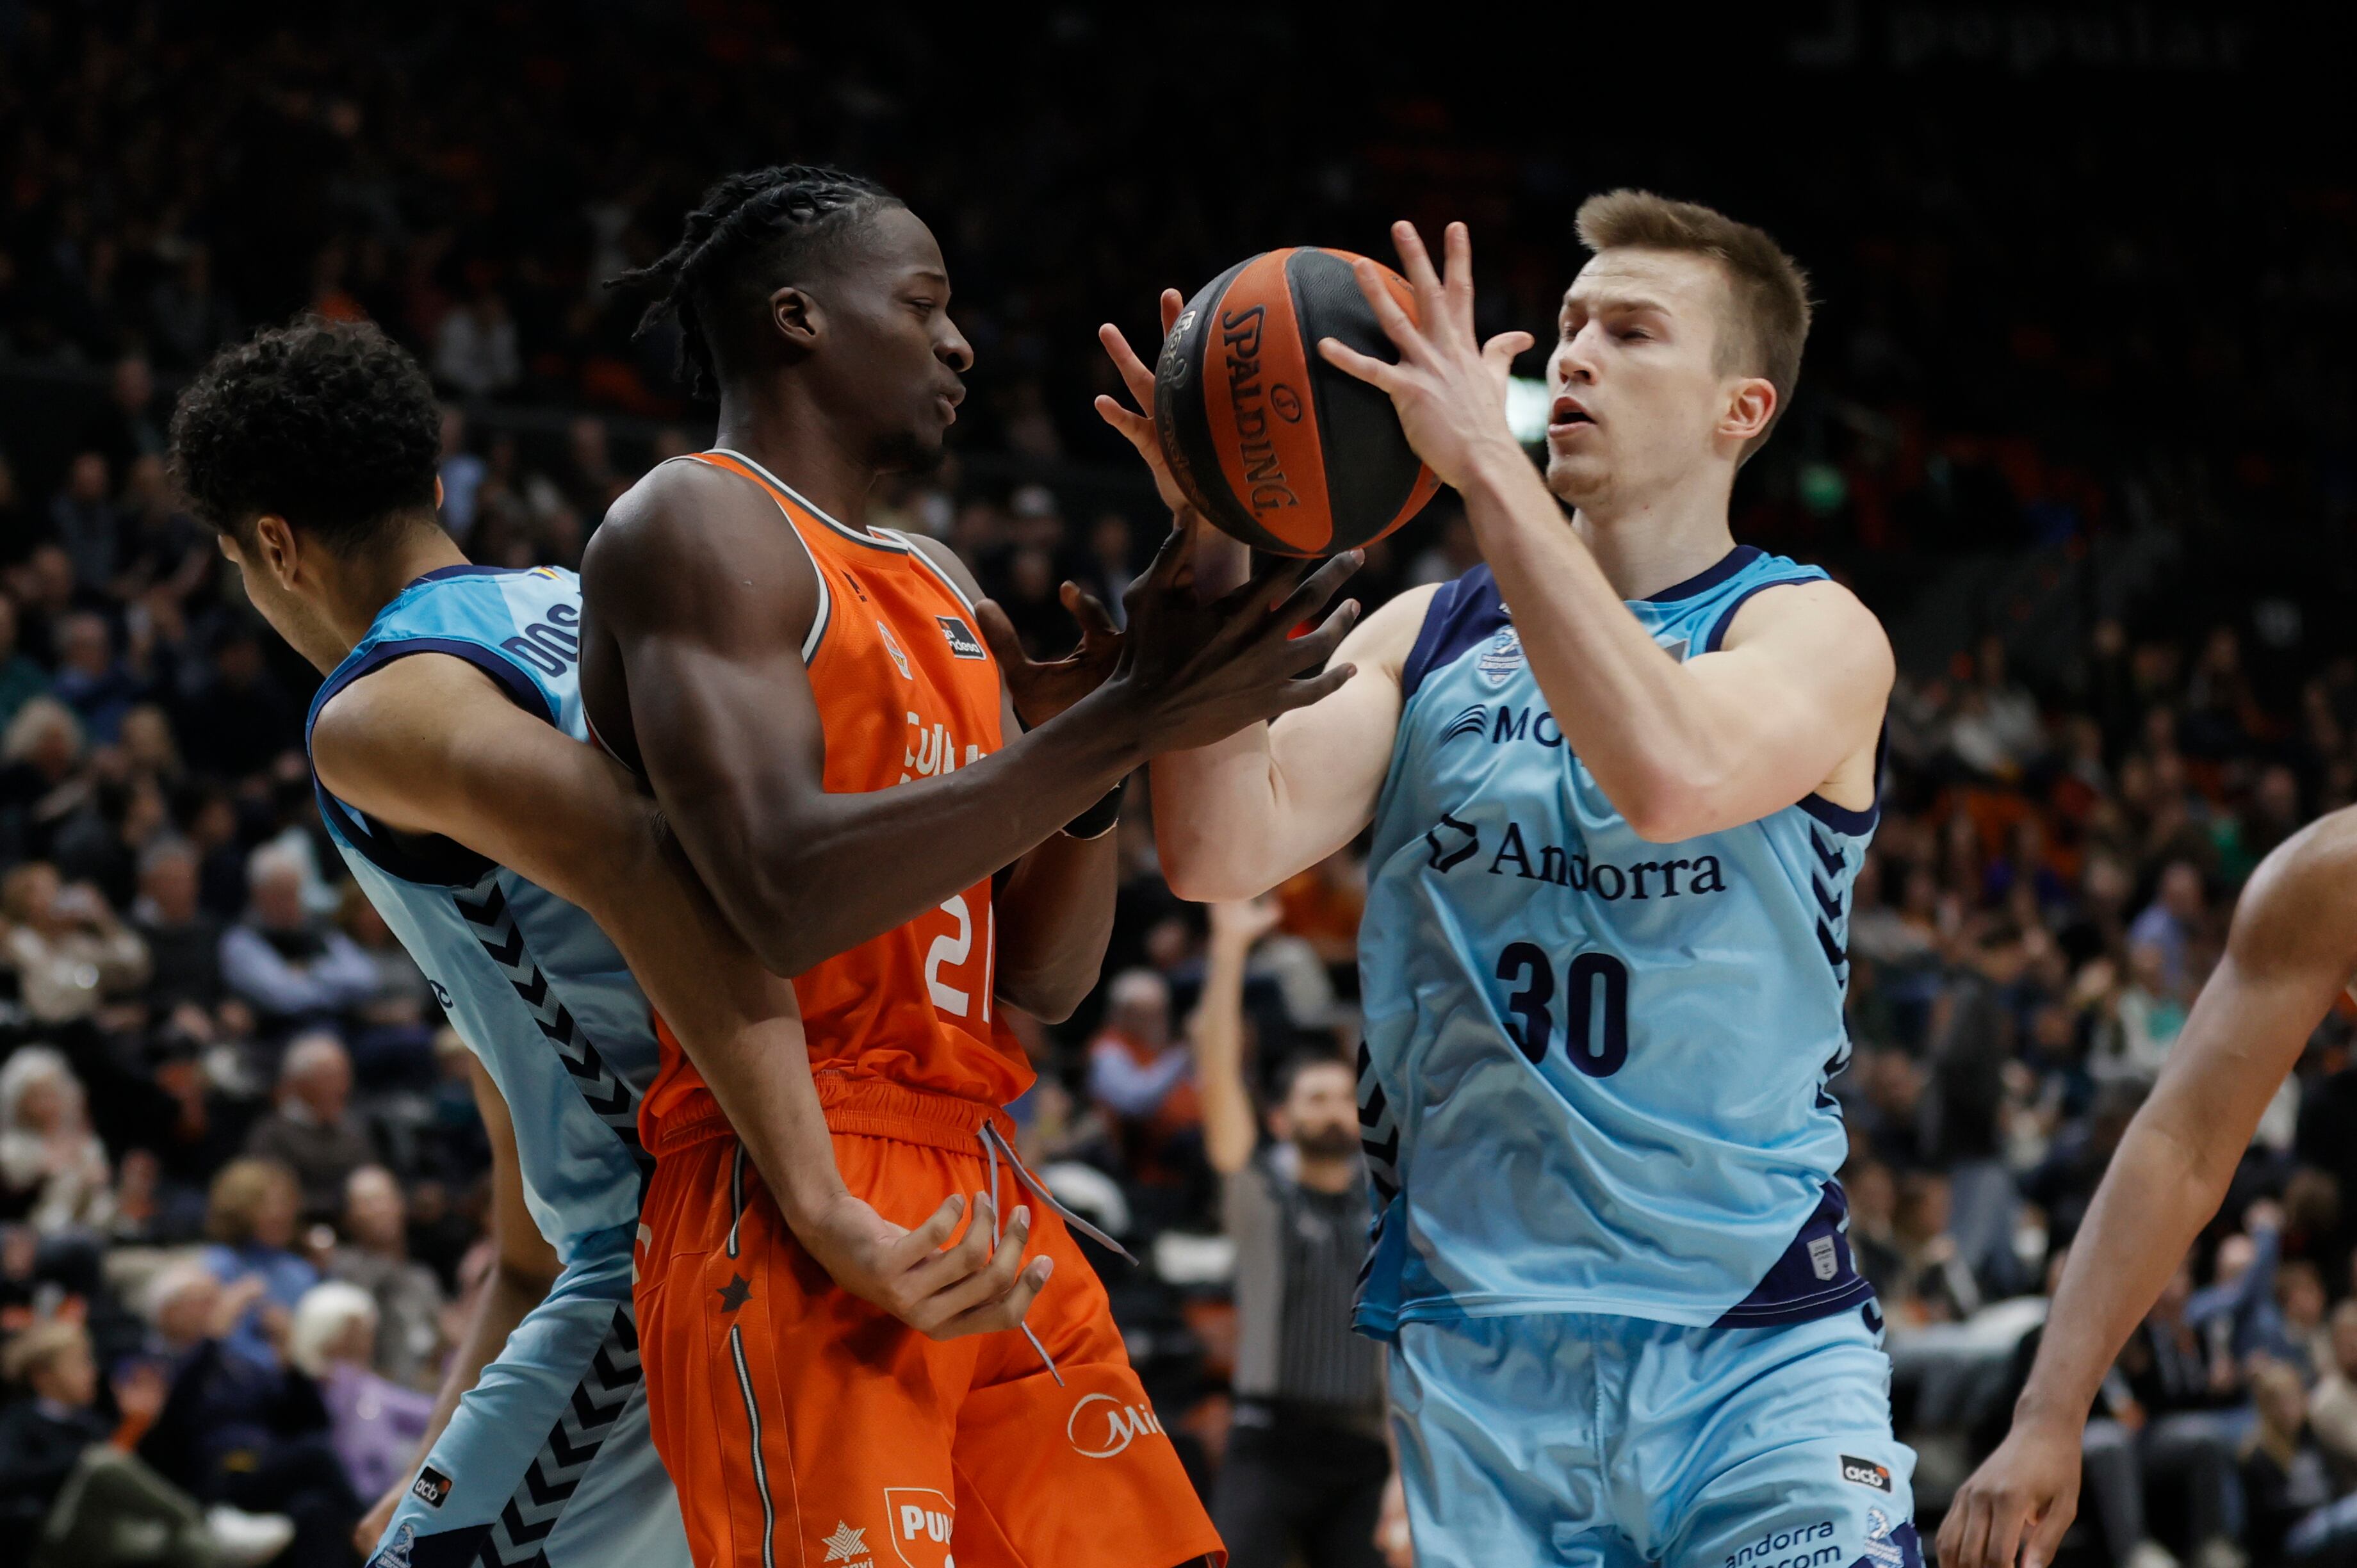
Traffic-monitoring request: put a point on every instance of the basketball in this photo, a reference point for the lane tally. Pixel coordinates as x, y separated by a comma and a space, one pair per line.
1275, 446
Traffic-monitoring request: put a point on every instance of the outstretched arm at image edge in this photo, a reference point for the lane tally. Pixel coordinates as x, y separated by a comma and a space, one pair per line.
2291, 950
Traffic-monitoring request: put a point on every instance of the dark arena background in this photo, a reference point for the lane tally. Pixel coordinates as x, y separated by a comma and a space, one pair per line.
2077, 420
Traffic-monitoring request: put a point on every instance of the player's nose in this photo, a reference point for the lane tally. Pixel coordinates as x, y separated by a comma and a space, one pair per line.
951, 348
1571, 365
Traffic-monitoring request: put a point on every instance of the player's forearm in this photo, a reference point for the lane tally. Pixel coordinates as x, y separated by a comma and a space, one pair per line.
1635, 718
1219, 1040
1055, 917
804, 883
760, 1075
1218, 819
2153, 1202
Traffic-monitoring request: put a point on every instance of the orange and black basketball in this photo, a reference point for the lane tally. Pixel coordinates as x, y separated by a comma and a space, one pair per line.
1269, 441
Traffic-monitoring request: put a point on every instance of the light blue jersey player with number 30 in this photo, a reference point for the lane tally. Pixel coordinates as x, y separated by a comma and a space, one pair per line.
1620, 778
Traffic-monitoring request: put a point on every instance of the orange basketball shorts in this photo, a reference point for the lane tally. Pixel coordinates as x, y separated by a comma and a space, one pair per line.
804, 1428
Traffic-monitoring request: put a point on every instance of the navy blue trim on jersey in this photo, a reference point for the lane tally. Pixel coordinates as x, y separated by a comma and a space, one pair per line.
1841, 819
1799, 1287
464, 569
1726, 617
1709, 577
1462, 615
429, 860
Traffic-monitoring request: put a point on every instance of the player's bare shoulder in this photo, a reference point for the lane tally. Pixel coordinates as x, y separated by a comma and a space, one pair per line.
1380, 644
692, 536
2300, 905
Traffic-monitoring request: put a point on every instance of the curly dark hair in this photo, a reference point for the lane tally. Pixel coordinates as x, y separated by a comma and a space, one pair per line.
750, 237
330, 424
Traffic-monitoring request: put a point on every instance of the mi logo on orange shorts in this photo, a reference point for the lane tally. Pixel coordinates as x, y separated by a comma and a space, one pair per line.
1101, 1426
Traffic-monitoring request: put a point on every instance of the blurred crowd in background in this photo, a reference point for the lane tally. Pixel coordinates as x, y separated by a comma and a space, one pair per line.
2077, 421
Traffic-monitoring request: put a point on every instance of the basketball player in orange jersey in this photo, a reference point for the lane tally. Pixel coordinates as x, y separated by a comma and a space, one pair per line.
827, 714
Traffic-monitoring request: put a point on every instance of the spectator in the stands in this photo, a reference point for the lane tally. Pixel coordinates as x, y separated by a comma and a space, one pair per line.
2286, 1483
374, 1423
252, 1216
53, 1169
1140, 1074
2332, 1404
236, 721
183, 936
83, 518
243, 1429
311, 1128
21, 679
291, 966
72, 1494
375, 1257
2172, 920
90, 681
2189, 1387
69, 950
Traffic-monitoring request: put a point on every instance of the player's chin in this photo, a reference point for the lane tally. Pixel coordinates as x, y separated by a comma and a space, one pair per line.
1574, 475
917, 449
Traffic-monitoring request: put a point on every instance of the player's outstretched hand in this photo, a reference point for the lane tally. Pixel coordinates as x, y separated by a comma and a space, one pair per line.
1217, 562
1448, 387
1042, 688
2017, 1503
1193, 672
942, 1291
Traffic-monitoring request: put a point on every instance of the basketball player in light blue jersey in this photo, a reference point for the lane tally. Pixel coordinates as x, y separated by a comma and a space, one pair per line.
447, 743
1620, 778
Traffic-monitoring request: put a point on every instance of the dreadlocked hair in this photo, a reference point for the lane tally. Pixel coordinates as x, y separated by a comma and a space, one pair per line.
740, 219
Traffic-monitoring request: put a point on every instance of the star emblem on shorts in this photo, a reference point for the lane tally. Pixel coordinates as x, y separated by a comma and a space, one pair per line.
846, 1543
736, 1292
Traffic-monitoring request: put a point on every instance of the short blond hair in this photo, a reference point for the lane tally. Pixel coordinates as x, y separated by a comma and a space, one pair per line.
1768, 290
36, 1347
233, 1206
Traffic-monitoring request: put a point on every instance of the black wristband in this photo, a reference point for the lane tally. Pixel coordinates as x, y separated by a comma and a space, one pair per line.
1099, 819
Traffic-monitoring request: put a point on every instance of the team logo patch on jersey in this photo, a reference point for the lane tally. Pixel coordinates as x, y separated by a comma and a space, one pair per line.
1503, 657
964, 644
396, 1551
922, 1522
432, 1488
892, 647
1864, 1473
1822, 1261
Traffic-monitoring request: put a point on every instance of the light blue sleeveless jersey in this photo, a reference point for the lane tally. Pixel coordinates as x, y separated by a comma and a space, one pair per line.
1594, 1077
529, 981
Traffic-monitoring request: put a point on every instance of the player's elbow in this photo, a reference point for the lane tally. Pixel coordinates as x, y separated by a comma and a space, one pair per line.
1202, 870
1667, 810
1046, 998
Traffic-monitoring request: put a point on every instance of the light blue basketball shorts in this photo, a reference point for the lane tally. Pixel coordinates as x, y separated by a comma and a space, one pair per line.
1612, 1442
550, 1453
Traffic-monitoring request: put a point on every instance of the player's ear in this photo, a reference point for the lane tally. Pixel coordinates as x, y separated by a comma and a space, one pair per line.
277, 549
1750, 404
795, 316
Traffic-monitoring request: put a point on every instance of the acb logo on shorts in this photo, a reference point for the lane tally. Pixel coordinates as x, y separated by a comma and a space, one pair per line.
1865, 1473
431, 1488
1101, 1426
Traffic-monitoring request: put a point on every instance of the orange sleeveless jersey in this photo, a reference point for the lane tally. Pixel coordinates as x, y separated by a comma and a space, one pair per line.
906, 690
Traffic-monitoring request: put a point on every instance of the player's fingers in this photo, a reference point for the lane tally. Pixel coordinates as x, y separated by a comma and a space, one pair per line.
2046, 1535
1096, 621
1313, 648
1457, 276
1368, 369
1246, 609
991, 1281
1390, 315
1006, 1312
1415, 266
1977, 1547
1135, 373
926, 1240
1501, 353
1310, 597
1134, 427
1173, 302
999, 632
1311, 689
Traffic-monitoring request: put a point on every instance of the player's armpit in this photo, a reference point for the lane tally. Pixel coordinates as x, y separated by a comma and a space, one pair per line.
1232, 821
1796, 690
